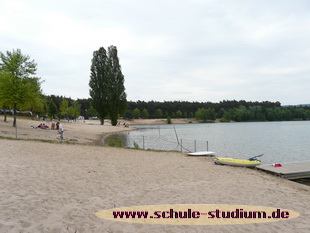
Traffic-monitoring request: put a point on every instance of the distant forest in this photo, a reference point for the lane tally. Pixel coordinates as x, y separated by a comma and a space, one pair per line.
226, 110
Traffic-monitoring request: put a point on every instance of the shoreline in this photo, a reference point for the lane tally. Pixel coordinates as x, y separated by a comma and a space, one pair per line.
106, 135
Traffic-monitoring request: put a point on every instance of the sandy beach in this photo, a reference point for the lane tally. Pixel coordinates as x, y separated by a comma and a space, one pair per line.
88, 131
58, 187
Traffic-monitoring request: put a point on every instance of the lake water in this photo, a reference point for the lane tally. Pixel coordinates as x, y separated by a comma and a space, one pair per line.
280, 142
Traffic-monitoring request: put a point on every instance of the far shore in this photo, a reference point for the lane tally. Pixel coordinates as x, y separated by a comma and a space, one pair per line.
158, 121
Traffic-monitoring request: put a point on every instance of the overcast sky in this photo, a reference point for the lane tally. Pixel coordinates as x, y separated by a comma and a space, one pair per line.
191, 50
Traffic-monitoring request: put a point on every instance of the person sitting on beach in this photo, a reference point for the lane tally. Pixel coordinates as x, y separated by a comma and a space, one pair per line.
53, 125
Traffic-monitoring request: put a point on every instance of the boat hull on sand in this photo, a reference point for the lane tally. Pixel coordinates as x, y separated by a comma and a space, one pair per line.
237, 162
202, 153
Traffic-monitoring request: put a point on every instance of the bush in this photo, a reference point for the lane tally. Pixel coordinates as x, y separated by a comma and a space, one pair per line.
115, 141
136, 145
169, 120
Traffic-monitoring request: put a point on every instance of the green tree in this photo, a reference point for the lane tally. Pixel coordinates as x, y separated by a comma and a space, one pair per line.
107, 84
169, 120
179, 114
4, 101
211, 114
91, 112
145, 113
74, 110
201, 114
18, 86
136, 113
306, 115
98, 83
64, 108
226, 116
117, 102
29, 96
159, 113
38, 106
52, 108
237, 114
128, 114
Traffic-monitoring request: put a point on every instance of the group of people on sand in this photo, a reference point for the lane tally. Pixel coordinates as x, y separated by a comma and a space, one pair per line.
54, 126
42, 126
124, 124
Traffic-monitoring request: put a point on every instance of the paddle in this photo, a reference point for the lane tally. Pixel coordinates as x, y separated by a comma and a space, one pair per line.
255, 157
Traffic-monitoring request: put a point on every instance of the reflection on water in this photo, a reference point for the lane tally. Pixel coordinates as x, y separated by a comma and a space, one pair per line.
280, 142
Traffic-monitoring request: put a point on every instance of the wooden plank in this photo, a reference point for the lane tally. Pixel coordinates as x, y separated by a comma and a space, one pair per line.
288, 170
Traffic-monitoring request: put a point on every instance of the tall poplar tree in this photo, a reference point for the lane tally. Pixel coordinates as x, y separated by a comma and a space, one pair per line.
117, 102
107, 84
98, 83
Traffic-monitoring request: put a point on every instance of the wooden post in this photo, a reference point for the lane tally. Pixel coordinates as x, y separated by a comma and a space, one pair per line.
181, 145
143, 142
207, 146
195, 146
176, 135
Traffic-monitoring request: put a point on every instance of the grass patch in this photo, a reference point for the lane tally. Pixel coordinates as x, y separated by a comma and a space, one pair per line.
115, 140
40, 140
118, 142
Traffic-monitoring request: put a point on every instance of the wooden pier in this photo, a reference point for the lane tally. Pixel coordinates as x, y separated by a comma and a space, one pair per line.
290, 171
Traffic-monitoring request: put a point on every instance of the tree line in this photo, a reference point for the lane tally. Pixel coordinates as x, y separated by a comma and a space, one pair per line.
20, 92
226, 110
186, 109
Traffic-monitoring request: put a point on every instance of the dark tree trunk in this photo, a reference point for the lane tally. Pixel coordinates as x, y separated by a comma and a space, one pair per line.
4, 115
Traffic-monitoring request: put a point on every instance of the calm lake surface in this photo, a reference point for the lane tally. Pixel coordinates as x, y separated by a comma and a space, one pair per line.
280, 142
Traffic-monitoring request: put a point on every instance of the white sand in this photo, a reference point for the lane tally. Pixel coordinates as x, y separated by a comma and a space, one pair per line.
48, 187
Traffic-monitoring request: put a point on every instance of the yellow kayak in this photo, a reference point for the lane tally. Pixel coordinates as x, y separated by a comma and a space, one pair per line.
237, 162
